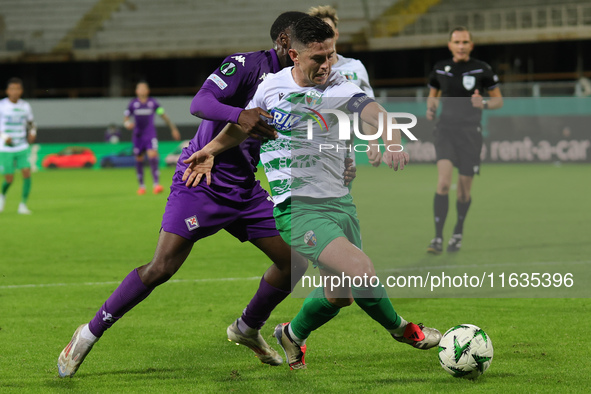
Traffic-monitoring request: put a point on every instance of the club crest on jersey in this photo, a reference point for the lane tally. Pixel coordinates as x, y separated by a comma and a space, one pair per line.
310, 238
350, 75
313, 97
284, 121
192, 223
228, 69
469, 81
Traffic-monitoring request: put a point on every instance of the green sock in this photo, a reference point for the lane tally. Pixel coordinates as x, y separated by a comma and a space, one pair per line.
315, 311
26, 188
375, 302
5, 186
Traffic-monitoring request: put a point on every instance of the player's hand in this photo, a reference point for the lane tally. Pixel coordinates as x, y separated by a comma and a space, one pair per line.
431, 111
8, 141
350, 171
374, 155
477, 100
175, 134
31, 138
200, 163
396, 160
252, 124
129, 125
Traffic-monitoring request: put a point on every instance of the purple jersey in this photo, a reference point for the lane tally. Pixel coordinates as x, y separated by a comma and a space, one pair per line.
233, 84
143, 114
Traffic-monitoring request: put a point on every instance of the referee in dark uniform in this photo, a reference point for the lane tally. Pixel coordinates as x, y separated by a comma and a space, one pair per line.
457, 85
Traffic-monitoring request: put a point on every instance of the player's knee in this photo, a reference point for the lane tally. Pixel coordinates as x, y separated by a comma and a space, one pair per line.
9, 178
158, 271
443, 188
341, 302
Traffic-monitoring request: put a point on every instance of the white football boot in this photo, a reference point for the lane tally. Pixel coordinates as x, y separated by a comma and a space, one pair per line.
72, 356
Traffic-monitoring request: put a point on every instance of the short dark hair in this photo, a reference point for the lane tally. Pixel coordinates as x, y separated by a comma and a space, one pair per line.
14, 80
311, 29
284, 22
142, 81
460, 28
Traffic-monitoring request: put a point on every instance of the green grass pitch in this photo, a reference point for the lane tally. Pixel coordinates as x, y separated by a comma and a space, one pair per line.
89, 229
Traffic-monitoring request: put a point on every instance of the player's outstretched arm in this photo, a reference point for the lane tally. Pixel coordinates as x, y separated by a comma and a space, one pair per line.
392, 157
32, 132
201, 162
251, 122
173, 129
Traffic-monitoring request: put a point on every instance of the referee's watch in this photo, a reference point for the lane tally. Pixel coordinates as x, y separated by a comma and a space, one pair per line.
484, 104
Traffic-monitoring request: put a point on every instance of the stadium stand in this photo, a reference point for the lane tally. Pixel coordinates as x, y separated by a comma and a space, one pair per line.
36, 26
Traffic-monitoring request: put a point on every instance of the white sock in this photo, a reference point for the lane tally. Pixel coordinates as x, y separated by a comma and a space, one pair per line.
293, 336
399, 331
245, 328
87, 334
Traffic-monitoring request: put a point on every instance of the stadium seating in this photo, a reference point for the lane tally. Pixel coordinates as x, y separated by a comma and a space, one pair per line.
36, 26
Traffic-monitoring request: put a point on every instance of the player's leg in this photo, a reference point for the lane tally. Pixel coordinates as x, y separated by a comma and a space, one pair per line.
7, 164
139, 150
275, 285
154, 161
171, 251
469, 149
6, 183
22, 207
441, 203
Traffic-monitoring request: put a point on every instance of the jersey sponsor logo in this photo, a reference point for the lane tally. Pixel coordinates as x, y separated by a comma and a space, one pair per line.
218, 81
284, 121
310, 238
469, 81
192, 223
240, 59
143, 111
228, 69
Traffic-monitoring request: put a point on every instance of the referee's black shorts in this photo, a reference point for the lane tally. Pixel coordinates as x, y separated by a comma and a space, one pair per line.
461, 145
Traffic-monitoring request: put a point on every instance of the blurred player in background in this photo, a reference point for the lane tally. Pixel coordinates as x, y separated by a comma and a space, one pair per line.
314, 211
17, 131
353, 70
235, 201
458, 134
145, 141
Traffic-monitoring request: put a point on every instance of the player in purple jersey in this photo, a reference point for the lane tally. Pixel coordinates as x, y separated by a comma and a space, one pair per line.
143, 108
234, 201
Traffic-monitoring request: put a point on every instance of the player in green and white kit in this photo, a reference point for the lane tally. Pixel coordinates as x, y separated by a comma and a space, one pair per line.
350, 68
314, 211
16, 118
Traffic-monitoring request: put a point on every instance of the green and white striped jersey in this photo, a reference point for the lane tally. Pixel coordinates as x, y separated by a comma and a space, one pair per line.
295, 165
13, 124
355, 72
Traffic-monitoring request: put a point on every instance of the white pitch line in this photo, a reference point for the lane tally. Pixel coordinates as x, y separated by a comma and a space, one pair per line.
116, 283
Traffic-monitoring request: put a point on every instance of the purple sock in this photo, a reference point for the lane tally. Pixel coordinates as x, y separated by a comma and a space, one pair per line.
139, 169
155, 171
129, 293
262, 304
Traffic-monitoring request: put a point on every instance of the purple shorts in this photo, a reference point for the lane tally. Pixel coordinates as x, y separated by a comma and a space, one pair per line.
143, 143
198, 212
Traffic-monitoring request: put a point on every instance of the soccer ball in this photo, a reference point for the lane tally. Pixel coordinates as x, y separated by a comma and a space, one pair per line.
465, 351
